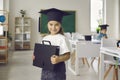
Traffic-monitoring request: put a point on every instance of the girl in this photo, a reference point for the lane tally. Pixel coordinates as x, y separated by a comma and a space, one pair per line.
56, 38
103, 30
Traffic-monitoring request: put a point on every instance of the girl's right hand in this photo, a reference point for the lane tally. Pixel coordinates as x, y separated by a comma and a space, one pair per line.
33, 57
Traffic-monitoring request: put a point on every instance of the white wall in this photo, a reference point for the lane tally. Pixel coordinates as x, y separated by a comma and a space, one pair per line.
117, 19
6, 5
112, 18
32, 8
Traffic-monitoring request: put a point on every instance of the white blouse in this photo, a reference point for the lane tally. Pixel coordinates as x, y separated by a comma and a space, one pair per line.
59, 40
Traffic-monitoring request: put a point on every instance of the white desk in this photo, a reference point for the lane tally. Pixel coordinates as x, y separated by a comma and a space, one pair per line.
110, 51
83, 49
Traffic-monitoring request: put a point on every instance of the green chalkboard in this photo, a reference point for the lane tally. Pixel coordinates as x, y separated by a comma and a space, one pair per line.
68, 23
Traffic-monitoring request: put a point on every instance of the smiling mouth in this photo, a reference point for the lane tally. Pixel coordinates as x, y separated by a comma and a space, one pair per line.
54, 30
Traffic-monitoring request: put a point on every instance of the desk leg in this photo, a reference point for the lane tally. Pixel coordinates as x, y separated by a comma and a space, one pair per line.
77, 65
101, 68
69, 63
76, 70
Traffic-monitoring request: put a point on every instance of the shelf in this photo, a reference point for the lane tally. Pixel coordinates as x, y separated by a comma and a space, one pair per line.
4, 58
3, 37
22, 33
3, 47
18, 41
3, 50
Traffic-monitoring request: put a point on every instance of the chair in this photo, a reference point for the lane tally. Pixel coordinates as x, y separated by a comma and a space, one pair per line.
76, 37
68, 35
110, 42
73, 53
85, 49
112, 64
109, 60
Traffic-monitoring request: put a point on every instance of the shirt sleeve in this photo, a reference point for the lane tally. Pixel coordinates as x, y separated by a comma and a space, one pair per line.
64, 46
100, 36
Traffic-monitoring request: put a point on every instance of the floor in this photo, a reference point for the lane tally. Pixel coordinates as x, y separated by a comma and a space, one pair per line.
20, 67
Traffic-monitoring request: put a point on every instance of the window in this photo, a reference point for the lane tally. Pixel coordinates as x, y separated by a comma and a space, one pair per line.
96, 14
1, 4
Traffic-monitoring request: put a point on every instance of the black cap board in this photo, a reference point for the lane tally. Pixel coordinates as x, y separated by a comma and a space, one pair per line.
104, 26
54, 14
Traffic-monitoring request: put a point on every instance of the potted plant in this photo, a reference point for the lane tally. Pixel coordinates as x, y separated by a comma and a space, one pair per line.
98, 29
22, 12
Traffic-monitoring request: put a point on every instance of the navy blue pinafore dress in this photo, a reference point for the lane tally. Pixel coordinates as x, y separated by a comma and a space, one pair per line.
59, 73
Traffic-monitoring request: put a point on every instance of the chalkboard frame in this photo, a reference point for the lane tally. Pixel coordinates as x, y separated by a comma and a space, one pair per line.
68, 23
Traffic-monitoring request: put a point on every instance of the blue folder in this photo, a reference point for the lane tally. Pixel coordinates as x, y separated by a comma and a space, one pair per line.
43, 53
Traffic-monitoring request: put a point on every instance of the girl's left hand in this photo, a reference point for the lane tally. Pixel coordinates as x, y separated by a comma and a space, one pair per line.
54, 59
33, 57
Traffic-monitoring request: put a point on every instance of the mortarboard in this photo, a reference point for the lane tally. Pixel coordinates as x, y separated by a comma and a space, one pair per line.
104, 26
54, 14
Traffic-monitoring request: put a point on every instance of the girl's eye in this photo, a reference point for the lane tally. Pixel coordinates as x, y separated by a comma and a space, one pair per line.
51, 24
57, 24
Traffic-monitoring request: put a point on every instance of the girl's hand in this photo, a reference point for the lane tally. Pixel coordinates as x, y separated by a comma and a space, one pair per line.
54, 59
33, 57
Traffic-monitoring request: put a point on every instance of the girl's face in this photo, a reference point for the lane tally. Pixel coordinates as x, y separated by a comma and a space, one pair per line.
54, 27
104, 31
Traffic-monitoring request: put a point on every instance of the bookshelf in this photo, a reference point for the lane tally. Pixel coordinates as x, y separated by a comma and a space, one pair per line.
22, 33
3, 36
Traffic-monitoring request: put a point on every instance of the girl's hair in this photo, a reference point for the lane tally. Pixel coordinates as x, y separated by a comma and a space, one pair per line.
61, 31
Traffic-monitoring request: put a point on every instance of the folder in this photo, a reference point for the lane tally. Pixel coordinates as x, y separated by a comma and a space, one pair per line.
43, 53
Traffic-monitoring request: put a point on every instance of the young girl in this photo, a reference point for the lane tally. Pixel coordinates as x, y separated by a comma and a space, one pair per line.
103, 30
56, 38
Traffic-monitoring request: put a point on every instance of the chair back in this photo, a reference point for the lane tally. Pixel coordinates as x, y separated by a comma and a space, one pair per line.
68, 35
87, 49
110, 42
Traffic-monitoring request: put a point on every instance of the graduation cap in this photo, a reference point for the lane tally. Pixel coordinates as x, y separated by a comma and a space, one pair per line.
54, 14
104, 26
